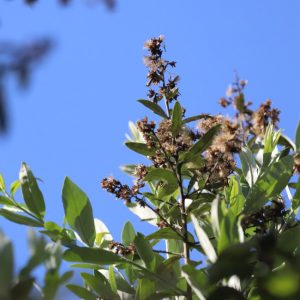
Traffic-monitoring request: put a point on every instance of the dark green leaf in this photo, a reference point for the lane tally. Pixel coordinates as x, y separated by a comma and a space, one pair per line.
145, 289
7, 265
100, 285
296, 198
22, 289
154, 107
176, 119
164, 233
81, 292
91, 255
19, 219
112, 279
166, 176
204, 142
226, 293
249, 166
195, 118
270, 184
5, 200
297, 142
32, 195
123, 285
140, 148
79, 212
144, 249
128, 234
197, 280
286, 141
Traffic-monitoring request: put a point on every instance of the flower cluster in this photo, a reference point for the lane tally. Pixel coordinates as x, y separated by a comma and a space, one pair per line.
254, 122
121, 249
220, 162
182, 142
158, 66
263, 116
121, 191
260, 219
147, 130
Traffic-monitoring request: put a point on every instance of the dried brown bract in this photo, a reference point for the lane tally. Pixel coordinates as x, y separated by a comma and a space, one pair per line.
121, 249
157, 69
263, 116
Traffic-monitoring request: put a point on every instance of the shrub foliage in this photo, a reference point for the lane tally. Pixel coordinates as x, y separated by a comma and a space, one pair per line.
223, 194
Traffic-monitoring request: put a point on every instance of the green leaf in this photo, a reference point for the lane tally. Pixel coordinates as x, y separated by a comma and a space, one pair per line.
15, 186
128, 234
235, 196
204, 142
112, 279
196, 279
123, 285
2, 183
164, 233
176, 119
78, 211
204, 240
129, 169
145, 289
154, 107
57, 233
270, 184
249, 166
5, 200
167, 176
91, 255
81, 292
100, 285
270, 141
144, 213
32, 195
287, 142
7, 266
228, 232
140, 148
297, 139
19, 219
144, 249
195, 118
296, 198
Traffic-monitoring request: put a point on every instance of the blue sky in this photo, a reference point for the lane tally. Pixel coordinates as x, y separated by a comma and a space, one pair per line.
73, 118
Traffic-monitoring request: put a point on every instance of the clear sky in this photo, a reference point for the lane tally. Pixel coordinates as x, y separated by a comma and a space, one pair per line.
73, 118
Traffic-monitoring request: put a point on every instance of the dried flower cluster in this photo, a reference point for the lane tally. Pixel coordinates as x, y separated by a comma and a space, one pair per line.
263, 116
259, 220
121, 191
167, 88
253, 122
163, 140
220, 162
121, 249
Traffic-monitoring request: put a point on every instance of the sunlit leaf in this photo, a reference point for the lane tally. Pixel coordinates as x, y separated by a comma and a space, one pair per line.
32, 195
270, 184
91, 255
78, 211
176, 119
140, 148
154, 107
19, 219
128, 234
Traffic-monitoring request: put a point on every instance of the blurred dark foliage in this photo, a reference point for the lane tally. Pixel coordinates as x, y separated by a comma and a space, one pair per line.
18, 61
109, 3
